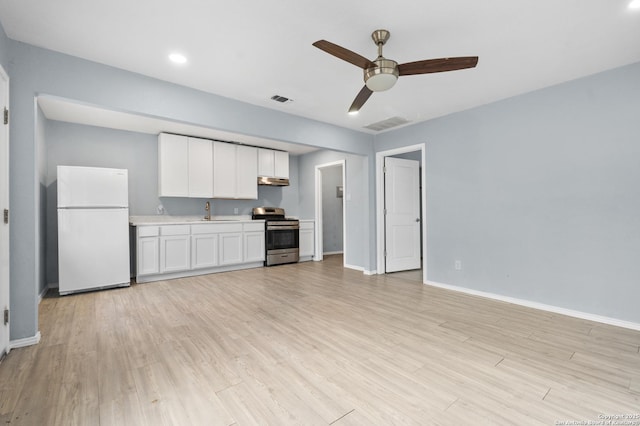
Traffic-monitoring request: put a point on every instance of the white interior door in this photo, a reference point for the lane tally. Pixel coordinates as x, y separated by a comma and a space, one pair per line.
402, 218
4, 206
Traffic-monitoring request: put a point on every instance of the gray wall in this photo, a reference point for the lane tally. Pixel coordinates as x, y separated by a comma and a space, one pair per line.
36, 71
359, 214
79, 145
538, 195
4, 49
332, 216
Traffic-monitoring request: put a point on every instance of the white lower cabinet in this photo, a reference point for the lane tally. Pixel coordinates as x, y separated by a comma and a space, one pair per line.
175, 248
204, 251
307, 239
148, 255
171, 251
253, 234
230, 248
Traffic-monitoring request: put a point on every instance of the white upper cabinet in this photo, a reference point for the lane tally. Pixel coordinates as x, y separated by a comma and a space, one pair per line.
235, 171
224, 170
247, 172
185, 166
273, 163
266, 162
173, 166
200, 168
281, 164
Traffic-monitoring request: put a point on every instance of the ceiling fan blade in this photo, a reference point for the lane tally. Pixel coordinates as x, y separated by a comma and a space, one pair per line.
360, 99
437, 65
344, 54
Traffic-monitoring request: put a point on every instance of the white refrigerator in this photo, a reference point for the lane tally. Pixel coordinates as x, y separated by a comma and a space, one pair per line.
93, 228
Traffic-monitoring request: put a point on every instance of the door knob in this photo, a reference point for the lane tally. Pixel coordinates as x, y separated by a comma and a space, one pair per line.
418, 220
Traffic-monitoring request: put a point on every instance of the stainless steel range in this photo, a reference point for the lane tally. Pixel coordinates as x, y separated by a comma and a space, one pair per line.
282, 235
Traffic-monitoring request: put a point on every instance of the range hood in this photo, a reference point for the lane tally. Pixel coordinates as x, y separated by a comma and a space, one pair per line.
272, 181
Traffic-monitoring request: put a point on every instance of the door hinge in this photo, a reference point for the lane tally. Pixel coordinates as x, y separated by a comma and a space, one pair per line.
6, 216
6, 316
6, 115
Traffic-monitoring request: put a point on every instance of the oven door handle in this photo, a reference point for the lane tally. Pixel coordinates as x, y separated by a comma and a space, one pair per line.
282, 228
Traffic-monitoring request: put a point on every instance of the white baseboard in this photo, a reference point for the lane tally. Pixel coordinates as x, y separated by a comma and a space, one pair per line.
44, 292
26, 341
361, 269
357, 268
329, 253
540, 306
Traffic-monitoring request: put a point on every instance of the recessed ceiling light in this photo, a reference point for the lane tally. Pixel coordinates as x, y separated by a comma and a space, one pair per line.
635, 4
177, 58
353, 113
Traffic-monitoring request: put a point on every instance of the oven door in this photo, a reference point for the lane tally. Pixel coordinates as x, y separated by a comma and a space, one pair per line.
282, 237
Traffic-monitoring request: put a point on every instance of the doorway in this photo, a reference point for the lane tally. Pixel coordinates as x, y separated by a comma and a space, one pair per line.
4, 212
416, 152
330, 185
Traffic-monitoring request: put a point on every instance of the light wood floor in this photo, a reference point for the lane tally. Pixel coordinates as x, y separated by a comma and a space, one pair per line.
313, 344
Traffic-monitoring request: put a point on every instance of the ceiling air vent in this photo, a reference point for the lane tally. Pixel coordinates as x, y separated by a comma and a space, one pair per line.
387, 124
281, 99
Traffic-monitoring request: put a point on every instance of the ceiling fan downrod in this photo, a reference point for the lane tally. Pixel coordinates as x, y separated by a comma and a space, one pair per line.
380, 37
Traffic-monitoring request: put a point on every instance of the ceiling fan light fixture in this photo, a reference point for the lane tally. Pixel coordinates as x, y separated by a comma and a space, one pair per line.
383, 76
381, 82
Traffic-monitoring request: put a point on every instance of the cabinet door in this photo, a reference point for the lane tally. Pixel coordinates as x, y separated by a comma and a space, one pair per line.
281, 164
230, 248
224, 170
247, 172
204, 251
173, 166
148, 256
174, 253
265, 162
200, 168
254, 246
307, 241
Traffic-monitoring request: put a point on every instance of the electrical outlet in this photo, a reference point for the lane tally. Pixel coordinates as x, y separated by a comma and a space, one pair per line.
235, 210
160, 209
458, 265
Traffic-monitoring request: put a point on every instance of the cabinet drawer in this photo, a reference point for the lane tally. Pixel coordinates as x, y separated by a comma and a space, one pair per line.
208, 228
230, 227
249, 227
174, 230
148, 231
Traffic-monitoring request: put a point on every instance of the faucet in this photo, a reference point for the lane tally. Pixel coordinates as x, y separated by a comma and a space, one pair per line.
207, 207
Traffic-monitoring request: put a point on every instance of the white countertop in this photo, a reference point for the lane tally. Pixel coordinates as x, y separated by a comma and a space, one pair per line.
176, 220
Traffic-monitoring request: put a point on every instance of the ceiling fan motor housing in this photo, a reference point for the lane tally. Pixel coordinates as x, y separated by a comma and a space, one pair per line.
383, 76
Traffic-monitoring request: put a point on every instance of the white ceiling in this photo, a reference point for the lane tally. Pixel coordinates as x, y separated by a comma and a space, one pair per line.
251, 50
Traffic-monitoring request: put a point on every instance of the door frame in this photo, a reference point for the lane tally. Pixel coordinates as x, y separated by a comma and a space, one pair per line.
5, 345
380, 202
318, 195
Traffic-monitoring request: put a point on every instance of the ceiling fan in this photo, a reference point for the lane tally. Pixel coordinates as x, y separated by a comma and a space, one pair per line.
382, 73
